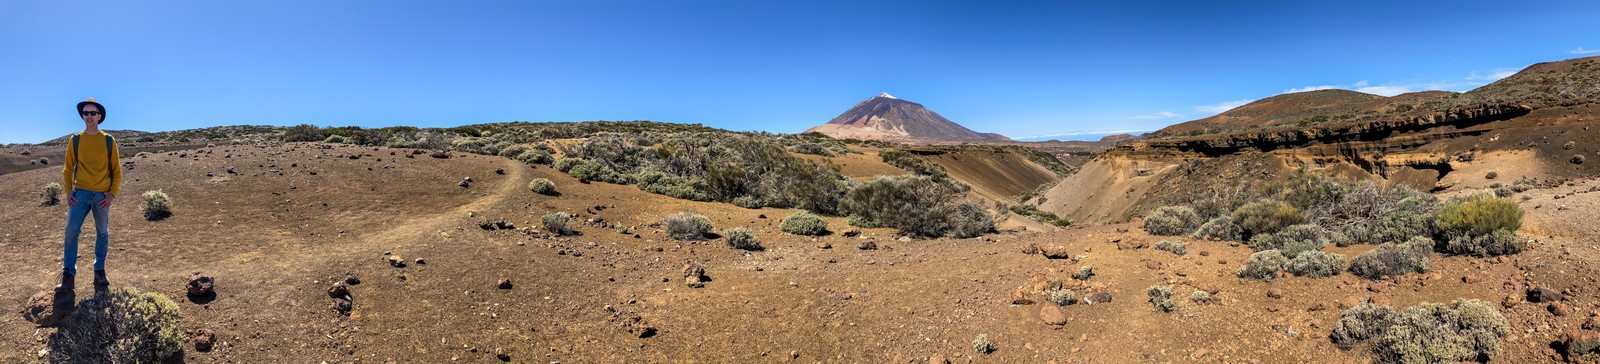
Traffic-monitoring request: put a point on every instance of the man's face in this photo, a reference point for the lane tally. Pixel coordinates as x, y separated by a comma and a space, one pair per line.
91, 115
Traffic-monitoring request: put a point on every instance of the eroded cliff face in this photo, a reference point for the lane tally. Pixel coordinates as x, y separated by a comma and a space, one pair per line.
1425, 152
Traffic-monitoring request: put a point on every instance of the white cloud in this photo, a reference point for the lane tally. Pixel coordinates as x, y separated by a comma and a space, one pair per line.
1580, 50
1157, 115
1493, 75
1219, 108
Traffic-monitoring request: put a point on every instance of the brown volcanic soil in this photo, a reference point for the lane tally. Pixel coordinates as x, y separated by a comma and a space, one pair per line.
274, 247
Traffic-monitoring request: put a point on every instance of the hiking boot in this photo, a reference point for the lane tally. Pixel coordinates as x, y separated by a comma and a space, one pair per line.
67, 285
100, 280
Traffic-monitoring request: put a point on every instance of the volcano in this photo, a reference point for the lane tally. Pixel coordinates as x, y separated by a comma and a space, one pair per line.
887, 118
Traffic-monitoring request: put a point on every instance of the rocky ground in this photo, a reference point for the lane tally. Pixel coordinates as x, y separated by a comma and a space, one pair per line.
278, 225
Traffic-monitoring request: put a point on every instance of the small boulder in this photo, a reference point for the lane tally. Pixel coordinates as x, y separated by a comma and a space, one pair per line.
1559, 308
1579, 342
204, 340
1275, 293
201, 285
499, 171
1541, 294
1020, 297
1030, 249
868, 245
339, 291
1051, 314
343, 306
1097, 297
352, 280
41, 309
1055, 251
824, 245
505, 283
395, 261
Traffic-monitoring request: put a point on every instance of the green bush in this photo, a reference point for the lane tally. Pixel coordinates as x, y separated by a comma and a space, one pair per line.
1315, 264
804, 223
1060, 296
542, 186
125, 326
911, 163
1477, 215
534, 156
1220, 228
558, 223
1464, 330
157, 205
1176, 247
921, 206
1394, 260
687, 226
1161, 298
1172, 221
741, 238
1499, 242
1263, 265
302, 133
512, 151
1200, 297
1413, 216
51, 194
813, 149
1265, 217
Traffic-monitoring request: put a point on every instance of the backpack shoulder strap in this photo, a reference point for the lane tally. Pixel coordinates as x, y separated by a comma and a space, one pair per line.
75, 159
111, 145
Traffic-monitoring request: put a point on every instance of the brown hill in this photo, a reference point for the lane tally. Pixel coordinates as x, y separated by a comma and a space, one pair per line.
1112, 138
887, 118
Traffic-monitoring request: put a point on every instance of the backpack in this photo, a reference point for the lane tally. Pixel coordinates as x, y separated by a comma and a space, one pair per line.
77, 162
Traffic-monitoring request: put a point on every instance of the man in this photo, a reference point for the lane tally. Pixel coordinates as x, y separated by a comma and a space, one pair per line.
94, 174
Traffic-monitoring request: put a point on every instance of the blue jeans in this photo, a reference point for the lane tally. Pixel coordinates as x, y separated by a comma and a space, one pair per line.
88, 201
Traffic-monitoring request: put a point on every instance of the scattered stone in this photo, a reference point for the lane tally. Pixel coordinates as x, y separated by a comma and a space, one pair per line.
1275, 293
395, 261
1205, 253
204, 340
1348, 302
465, 182
1578, 342
1511, 301
1055, 251
638, 326
1541, 295
1470, 279
694, 282
499, 171
41, 309
421, 262
1051, 314
694, 275
200, 285
1020, 297
1030, 249
343, 306
852, 233
495, 224
501, 353
1593, 323
938, 359
352, 280
824, 245
867, 245
1559, 308
1097, 297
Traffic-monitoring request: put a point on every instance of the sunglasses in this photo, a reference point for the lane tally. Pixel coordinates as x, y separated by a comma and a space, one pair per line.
89, 113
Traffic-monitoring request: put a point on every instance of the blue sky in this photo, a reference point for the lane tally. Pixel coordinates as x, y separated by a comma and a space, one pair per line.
1019, 68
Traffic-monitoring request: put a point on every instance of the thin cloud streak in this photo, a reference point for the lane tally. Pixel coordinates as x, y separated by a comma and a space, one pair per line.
1219, 108
1580, 50
1157, 115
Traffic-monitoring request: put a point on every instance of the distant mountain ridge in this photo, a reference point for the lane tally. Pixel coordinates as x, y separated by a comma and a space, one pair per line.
887, 118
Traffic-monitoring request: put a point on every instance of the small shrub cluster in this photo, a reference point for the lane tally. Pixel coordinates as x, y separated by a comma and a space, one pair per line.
812, 149
1315, 264
911, 163
1263, 265
1265, 217
804, 223
125, 326
1171, 246
982, 344
1394, 260
1175, 220
558, 223
687, 226
1221, 228
741, 238
1464, 330
335, 139
1499, 242
1292, 240
542, 186
921, 206
157, 205
1200, 297
1161, 298
1060, 296
1033, 212
51, 194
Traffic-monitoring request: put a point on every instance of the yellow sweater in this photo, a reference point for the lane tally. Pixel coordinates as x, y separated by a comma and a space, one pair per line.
94, 172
